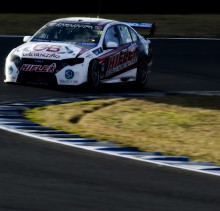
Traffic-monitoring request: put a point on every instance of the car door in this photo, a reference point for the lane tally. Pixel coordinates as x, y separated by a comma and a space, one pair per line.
130, 50
121, 52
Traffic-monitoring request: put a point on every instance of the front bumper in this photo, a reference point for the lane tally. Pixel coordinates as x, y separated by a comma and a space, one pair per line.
69, 75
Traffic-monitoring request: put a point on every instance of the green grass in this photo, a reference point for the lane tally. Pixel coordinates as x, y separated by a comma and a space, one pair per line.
175, 125
190, 25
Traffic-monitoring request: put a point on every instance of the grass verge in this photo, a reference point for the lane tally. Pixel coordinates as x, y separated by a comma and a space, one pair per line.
174, 125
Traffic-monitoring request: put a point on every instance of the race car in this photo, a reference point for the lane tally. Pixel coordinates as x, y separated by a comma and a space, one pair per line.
80, 50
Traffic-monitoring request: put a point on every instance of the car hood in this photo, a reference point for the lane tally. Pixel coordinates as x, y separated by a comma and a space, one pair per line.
48, 50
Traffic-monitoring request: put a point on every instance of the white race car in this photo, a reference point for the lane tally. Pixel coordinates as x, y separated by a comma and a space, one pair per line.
75, 51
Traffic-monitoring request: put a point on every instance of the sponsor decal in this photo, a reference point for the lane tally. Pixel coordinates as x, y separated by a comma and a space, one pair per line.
68, 81
39, 61
139, 25
69, 74
45, 55
10, 70
90, 55
74, 25
86, 43
38, 68
97, 51
99, 28
121, 60
44, 47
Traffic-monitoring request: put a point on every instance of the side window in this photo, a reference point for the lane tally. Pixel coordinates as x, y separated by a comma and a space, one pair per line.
133, 35
125, 34
111, 35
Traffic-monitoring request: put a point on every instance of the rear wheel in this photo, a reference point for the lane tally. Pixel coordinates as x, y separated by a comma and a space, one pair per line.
93, 74
142, 74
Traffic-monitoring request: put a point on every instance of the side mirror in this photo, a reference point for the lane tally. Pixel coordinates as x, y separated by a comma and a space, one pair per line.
26, 38
110, 45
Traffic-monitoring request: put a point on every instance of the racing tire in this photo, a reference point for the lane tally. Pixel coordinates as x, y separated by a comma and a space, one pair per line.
93, 74
142, 74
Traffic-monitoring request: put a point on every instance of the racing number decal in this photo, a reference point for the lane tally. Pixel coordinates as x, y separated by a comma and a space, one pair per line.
50, 48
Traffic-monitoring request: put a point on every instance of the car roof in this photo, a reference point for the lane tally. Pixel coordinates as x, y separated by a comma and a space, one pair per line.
98, 21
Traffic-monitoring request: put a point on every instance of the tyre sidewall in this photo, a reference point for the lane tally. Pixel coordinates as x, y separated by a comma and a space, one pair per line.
93, 74
142, 74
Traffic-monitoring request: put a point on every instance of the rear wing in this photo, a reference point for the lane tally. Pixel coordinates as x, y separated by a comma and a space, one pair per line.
150, 26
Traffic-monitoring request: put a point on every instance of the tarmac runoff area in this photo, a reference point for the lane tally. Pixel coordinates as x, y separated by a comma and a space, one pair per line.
12, 120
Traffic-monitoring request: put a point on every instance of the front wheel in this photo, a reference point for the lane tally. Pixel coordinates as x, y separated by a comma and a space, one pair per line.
93, 74
142, 74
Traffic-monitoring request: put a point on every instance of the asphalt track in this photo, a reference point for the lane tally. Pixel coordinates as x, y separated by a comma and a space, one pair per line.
36, 175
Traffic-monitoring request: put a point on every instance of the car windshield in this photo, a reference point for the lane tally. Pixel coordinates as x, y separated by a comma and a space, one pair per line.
87, 34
